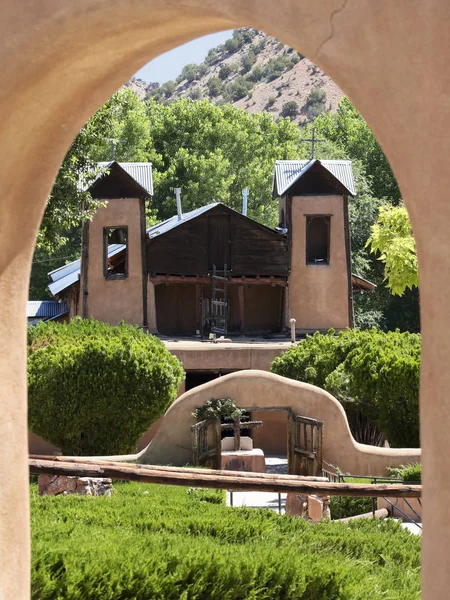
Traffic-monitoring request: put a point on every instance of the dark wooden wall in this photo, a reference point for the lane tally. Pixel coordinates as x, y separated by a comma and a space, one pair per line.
219, 235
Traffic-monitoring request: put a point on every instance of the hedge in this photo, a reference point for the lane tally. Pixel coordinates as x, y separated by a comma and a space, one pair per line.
93, 388
156, 542
375, 375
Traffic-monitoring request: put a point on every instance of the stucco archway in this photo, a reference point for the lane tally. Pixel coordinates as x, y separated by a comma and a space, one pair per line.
61, 60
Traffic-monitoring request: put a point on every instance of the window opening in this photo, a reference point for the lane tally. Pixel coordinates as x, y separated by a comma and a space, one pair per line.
115, 252
317, 240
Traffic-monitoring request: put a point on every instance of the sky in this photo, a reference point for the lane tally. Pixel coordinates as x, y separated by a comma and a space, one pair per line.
169, 65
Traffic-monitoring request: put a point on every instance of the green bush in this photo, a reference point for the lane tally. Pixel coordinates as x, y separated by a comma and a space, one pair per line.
157, 542
412, 472
248, 60
238, 89
290, 109
94, 388
224, 72
189, 72
375, 375
215, 87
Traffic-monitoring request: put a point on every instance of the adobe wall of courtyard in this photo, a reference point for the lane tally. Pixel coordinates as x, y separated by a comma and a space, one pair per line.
172, 442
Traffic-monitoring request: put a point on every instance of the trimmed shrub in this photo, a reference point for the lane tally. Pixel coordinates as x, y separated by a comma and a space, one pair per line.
375, 375
171, 544
94, 388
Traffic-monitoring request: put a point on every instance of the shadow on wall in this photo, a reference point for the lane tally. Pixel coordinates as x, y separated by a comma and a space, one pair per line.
172, 442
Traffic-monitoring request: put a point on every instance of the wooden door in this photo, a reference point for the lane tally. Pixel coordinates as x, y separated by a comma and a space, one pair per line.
219, 242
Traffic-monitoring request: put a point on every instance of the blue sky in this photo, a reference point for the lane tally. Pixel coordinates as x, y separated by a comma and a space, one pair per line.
169, 65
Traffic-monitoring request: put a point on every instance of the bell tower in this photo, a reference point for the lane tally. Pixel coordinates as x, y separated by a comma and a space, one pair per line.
313, 210
113, 278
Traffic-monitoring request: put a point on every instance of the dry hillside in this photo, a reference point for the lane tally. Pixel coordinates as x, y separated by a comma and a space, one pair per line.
255, 72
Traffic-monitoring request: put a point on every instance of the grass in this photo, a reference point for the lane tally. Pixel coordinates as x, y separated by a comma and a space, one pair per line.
157, 542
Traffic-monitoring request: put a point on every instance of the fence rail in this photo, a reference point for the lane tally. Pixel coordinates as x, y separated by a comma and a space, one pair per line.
228, 480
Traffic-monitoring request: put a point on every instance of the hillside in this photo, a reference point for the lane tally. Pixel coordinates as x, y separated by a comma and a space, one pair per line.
255, 72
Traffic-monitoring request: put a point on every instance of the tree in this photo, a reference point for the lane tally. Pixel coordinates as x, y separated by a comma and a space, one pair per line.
348, 130
215, 87
393, 239
290, 109
94, 388
189, 72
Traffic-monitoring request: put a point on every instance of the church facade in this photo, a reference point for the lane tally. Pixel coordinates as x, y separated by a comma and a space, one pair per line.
214, 270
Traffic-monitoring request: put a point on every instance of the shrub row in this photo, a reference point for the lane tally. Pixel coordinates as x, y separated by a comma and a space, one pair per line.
165, 543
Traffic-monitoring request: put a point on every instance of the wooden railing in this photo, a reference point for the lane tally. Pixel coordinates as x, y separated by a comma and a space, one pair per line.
228, 480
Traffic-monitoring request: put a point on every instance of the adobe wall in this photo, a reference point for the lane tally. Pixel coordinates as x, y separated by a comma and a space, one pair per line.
319, 294
172, 443
115, 300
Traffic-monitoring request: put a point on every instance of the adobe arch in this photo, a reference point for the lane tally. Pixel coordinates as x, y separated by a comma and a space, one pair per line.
61, 61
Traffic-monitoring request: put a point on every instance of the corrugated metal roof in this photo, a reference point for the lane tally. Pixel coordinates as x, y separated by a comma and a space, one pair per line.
141, 173
45, 308
287, 172
175, 221
69, 274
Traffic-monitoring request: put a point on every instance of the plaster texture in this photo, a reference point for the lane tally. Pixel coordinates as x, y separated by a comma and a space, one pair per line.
172, 442
61, 60
319, 294
115, 300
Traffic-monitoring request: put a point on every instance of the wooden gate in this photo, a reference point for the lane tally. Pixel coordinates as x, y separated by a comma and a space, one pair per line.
304, 445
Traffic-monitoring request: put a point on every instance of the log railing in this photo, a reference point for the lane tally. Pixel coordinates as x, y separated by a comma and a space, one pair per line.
228, 480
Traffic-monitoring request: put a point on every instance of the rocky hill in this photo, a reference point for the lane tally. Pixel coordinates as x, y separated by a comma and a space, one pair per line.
255, 72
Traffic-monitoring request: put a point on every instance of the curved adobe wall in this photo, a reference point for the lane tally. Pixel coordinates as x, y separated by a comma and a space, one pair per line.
62, 59
172, 442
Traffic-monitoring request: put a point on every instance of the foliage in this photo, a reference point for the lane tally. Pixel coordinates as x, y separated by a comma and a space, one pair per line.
94, 388
248, 60
393, 239
348, 506
372, 373
256, 74
277, 66
188, 73
217, 408
237, 89
348, 130
152, 541
196, 94
290, 109
215, 86
225, 71
411, 472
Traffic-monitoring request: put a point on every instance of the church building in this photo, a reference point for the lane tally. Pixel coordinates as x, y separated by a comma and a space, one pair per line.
215, 270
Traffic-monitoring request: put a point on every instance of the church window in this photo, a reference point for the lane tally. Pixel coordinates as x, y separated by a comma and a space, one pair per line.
317, 239
115, 252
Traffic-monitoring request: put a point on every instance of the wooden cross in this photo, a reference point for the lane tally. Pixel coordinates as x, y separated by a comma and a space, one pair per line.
313, 141
236, 426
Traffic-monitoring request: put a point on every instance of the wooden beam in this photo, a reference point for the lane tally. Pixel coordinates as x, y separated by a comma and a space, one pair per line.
272, 281
241, 308
206, 479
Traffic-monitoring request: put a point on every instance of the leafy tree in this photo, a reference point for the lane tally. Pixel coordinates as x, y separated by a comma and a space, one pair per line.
248, 60
215, 87
202, 70
195, 94
290, 109
238, 89
393, 239
348, 130
168, 88
94, 388
225, 71
256, 74
189, 72
232, 45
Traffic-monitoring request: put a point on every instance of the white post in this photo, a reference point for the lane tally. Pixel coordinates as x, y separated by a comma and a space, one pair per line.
178, 197
292, 322
244, 201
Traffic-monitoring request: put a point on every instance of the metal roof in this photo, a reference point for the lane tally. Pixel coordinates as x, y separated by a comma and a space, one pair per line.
69, 274
141, 172
287, 172
45, 308
175, 221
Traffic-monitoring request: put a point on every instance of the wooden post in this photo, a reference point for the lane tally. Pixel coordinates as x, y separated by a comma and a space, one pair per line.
241, 307
218, 443
237, 433
291, 443
194, 431
319, 449
198, 307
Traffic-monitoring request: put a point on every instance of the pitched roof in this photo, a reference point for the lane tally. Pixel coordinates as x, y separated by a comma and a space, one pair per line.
69, 274
44, 309
140, 172
288, 172
175, 221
